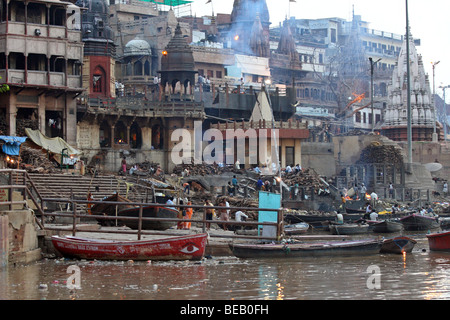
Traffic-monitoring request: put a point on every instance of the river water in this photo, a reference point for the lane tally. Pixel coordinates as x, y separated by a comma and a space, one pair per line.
420, 275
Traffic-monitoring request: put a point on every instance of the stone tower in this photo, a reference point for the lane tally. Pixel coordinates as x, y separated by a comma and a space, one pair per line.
422, 111
249, 32
99, 49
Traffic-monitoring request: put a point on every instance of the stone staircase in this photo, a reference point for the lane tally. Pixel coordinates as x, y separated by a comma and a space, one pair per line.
67, 186
418, 177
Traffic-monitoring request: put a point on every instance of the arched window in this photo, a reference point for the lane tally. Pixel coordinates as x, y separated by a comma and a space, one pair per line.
99, 80
120, 133
138, 68
135, 136
147, 68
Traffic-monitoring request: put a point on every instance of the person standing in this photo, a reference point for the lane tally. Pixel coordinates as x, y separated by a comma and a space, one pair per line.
124, 166
223, 213
259, 184
209, 213
188, 216
238, 217
391, 190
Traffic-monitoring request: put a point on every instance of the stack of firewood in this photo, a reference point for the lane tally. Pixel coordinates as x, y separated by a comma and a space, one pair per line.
203, 169
304, 178
378, 153
36, 160
240, 203
22, 124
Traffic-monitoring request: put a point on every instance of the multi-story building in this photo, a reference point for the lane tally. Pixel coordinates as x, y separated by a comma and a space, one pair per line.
41, 53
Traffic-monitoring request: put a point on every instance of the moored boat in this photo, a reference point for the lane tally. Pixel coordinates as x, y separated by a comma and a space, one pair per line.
387, 226
298, 228
444, 223
415, 222
398, 245
349, 228
155, 211
298, 250
108, 208
439, 241
191, 247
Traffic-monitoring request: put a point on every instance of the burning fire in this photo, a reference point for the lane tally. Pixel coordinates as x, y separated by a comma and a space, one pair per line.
368, 197
236, 37
358, 98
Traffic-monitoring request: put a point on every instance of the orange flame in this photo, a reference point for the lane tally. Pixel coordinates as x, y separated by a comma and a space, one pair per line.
358, 98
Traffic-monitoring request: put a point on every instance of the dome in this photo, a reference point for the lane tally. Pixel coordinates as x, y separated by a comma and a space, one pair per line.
137, 47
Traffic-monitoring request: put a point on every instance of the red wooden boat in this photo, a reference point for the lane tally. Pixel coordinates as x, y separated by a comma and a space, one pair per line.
439, 241
190, 247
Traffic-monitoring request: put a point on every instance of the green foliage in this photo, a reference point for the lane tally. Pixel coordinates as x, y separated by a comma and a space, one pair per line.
4, 87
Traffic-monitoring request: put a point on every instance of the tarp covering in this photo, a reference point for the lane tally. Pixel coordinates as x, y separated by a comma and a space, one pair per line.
12, 145
54, 145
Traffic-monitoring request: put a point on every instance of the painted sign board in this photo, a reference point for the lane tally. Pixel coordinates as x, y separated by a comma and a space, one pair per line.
268, 200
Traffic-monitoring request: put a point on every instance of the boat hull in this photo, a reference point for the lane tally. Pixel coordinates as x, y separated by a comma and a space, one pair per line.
299, 228
418, 223
387, 227
398, 245
349, 229
439, 241
344, 248
175, 248
150, 212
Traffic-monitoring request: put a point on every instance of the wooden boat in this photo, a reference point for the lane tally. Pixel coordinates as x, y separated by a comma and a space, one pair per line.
439, 241
318, 220
387, 226
298, 228
416, 222
191, 247
109, 209
349, 228
150, 212
312, 249
444, 223
398, 245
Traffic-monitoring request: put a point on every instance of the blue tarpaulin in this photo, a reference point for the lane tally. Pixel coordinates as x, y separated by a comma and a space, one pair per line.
12, 144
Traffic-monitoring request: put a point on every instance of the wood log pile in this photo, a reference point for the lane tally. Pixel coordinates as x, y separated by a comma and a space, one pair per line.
36, 160
204, 169
22, 124
240, 202
304, 178
378, 153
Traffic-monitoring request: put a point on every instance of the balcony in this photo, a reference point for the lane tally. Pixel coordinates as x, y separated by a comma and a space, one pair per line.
40, 78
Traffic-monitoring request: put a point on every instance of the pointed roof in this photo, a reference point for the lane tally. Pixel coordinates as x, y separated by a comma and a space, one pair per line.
258, 42
262, 109
286, 45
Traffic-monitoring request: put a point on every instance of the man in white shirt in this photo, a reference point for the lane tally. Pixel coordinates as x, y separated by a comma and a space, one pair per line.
373, 215
238, 218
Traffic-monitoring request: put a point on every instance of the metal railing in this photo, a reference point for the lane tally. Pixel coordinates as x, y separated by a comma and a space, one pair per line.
20, 180
75, 215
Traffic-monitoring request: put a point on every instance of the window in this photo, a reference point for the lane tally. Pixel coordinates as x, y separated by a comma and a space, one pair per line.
219, 74
98, 80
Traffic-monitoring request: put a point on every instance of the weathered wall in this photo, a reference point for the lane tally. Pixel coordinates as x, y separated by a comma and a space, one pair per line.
320, 157
22, 237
